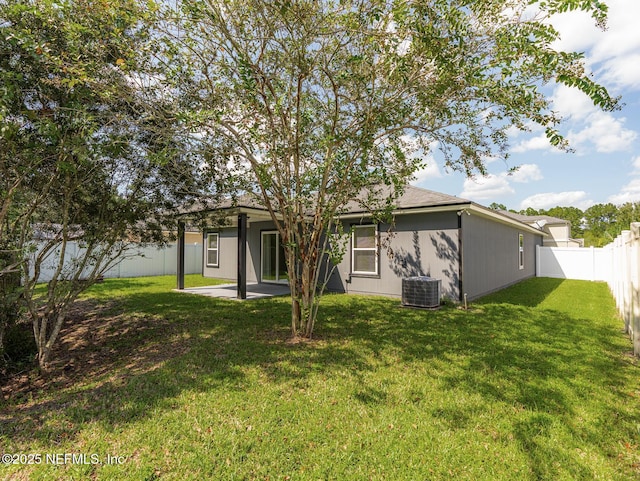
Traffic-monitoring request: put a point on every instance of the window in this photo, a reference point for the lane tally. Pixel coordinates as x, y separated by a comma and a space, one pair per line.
274, 265
213, 249
521, 251
364, 250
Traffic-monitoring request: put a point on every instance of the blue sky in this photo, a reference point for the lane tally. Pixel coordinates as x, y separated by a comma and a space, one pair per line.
606, 164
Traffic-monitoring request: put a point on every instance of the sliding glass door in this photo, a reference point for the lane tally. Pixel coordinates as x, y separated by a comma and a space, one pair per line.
274, 266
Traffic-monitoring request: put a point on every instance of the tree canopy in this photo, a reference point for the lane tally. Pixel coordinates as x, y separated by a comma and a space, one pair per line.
114, 110
78, 159
317, 103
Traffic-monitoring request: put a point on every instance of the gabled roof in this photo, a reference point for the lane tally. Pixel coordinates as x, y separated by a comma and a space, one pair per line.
412, 198
416, 200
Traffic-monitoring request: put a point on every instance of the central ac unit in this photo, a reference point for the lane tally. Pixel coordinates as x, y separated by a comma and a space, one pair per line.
421, 291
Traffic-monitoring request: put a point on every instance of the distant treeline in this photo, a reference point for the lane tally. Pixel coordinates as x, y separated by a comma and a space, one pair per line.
598, 225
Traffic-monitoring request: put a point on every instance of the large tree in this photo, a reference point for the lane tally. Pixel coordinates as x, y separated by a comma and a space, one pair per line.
319, 103
573, 215
82, 161
601, 224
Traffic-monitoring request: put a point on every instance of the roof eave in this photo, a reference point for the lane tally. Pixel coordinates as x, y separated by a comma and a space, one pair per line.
469, 206
503, 219
409, 210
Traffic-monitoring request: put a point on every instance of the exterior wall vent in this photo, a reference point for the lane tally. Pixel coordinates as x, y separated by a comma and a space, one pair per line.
421, 291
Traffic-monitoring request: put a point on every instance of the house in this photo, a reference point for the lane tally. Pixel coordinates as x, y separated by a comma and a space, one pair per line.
558, 230
472, 249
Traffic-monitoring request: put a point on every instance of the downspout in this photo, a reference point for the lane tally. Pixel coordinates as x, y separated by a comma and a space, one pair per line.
242, 257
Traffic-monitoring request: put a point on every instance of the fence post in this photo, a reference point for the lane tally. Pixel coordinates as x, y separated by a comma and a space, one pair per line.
634, 285
617, 277
628, 297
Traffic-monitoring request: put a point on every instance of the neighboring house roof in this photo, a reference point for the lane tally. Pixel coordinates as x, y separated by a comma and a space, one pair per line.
544, 222
42, 232
530, 219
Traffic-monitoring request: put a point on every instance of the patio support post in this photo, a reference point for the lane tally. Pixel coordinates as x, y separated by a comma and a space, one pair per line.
180, 266
460, 258
242, 256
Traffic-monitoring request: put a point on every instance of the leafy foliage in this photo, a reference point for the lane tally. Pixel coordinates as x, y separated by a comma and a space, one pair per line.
75, 139
311, 105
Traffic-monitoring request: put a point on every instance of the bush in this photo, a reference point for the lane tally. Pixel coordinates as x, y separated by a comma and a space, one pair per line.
10, 292
19, 344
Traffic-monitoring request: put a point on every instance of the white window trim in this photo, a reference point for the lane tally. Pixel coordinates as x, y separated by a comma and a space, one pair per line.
217, 249
355, 249
521, 251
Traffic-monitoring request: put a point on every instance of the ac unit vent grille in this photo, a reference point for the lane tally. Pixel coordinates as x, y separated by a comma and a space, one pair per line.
421, 291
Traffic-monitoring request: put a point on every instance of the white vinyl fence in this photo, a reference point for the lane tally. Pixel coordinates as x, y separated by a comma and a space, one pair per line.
143, 261
589, 264
625, 283
618, 264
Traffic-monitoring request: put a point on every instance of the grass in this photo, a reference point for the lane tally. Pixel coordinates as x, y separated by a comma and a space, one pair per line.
532, 383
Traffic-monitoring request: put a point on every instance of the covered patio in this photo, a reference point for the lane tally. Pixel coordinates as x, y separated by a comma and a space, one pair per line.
238, 216
230, 291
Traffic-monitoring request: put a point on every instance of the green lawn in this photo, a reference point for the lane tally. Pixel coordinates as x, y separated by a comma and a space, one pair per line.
535, 382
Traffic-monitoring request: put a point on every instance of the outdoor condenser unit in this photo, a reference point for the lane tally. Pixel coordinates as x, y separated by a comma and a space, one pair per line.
421, 291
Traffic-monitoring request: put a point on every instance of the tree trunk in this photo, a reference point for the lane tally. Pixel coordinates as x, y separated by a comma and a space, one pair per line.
2, 358
302, 297
306, 298
45, 342
295, 316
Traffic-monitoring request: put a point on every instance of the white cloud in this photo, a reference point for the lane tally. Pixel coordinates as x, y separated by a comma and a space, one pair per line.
592, 128
621, 36
490, 159
612, 51
623, 71
535, 143
629, 193
496, 185
527, 173
577, 31
415, 148
571, 103
483, 188
548, 200
591, 125
605, 132
429, 171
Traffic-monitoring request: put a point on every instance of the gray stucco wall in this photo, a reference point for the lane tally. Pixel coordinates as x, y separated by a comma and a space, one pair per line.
491, 255
228, 253
421, 245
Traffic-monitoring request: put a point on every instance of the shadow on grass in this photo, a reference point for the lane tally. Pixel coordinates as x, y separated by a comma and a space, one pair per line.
540, 362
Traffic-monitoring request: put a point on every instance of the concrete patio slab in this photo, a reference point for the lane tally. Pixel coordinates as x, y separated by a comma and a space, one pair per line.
230, 291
